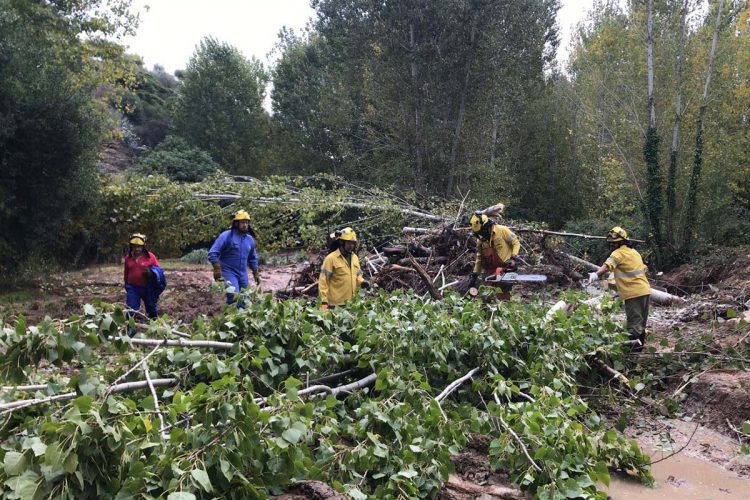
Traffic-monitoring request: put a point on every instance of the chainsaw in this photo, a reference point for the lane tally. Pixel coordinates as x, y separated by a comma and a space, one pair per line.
512, 278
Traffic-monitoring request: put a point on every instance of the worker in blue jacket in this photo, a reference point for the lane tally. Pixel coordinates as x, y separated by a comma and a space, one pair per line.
232, 253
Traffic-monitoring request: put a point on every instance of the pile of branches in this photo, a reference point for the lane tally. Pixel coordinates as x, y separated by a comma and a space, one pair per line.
430, 260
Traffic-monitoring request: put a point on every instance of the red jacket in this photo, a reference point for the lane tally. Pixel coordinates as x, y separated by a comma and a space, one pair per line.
134, 268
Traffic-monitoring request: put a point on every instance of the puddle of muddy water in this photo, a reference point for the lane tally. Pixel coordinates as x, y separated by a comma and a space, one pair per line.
685, 478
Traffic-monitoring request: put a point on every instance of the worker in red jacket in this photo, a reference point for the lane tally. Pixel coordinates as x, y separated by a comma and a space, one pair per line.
138, 263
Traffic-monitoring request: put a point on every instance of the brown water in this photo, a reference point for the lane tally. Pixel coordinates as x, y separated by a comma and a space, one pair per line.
683, 477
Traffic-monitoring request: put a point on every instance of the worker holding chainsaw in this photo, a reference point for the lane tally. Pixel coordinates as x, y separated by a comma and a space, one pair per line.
340, 274
630, 278
497, 250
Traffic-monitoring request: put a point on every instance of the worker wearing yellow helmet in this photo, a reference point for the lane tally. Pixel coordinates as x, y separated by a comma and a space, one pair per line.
232, 253
630, 278
340, 274
497, 247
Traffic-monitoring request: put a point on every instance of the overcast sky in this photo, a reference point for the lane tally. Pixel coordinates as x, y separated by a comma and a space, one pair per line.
170, 29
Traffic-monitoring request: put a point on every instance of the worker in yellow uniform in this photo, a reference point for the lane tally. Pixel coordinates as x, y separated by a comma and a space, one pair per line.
497, 247
630, 278
340, 274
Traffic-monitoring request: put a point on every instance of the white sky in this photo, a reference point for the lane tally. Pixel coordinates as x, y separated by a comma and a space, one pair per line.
170, 29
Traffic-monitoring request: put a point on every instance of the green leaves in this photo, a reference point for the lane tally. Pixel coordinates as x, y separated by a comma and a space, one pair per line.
293, 434
201, 478
238, 419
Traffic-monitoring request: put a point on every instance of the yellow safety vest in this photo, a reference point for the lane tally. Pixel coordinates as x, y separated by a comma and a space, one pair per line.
504, 241
630, 273
339, 281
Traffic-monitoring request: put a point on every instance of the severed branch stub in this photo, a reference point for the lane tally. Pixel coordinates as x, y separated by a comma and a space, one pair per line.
434, 292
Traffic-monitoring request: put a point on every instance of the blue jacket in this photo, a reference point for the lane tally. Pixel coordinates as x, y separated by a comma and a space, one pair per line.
235, 251
156, 284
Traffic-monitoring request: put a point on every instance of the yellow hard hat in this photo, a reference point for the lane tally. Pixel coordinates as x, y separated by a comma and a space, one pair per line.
137, 239
617, 234
477, 221
241, 215
347, 234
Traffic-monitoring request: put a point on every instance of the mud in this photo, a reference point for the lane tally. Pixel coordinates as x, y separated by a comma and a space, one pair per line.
189, 292
311, 490
721, 398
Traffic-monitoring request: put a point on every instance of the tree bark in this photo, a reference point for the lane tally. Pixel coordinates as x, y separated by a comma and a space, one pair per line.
651, 147
418, 167
674, 150
462, 104
692, 196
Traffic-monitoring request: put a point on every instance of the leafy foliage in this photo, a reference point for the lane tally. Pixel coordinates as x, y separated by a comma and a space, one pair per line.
219, 106
389, 440
179, 161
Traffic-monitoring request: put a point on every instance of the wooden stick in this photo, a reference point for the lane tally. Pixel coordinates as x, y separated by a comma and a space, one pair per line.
177, 343
156, 401
131, 370
35, 387
128, 386
330, 378
455, 385
515, 436
434, 292
615, 374
359, 384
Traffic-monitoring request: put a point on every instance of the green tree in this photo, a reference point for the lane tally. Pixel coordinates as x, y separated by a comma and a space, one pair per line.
53, 55
219, 106
179, 161
148, 105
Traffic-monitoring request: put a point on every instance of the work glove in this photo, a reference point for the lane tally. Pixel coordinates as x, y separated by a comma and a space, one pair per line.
256, 275
512, 264
365, 285
323, 306
147, 273
473, 279
217, 272
593, 277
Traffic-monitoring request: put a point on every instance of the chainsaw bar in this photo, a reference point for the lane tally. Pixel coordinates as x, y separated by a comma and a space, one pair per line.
511, 278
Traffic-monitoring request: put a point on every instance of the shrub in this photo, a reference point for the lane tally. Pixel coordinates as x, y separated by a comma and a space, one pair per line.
179, 161
197, 256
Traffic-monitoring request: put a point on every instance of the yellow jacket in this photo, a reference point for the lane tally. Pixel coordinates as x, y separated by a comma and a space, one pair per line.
505, 242
338, 280
630, 273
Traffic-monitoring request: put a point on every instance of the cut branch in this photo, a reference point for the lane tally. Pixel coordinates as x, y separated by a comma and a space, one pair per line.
516, 437
434, 292
177, 343
455, 385
127, 386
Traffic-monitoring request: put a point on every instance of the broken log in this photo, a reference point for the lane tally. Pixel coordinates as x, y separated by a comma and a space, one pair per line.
434, 292
504, 492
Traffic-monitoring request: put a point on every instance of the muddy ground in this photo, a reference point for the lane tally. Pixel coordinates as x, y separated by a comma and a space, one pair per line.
190, 291
704, 429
